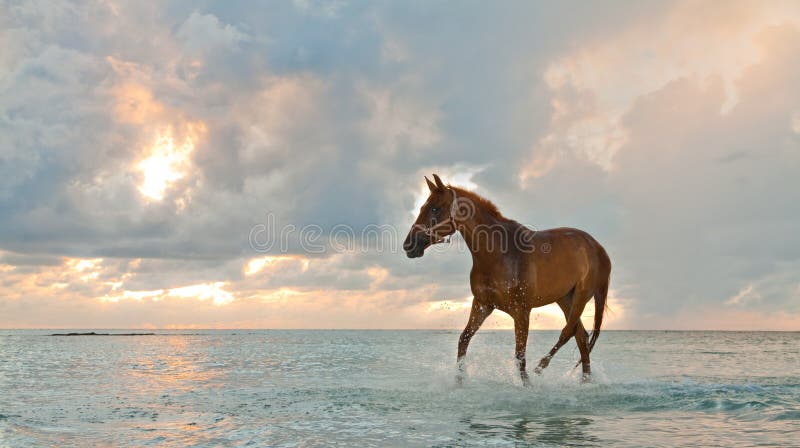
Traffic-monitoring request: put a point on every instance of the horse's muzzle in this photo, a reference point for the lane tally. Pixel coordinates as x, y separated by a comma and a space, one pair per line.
415, 244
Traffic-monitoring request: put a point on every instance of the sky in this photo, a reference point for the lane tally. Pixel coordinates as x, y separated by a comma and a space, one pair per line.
196, 164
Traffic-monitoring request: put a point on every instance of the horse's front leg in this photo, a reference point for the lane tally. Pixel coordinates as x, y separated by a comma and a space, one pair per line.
477, 315
521, 326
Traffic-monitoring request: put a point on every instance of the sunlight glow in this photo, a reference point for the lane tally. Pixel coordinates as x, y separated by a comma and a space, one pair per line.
203, 291
460, 176
279, 295
168, 161
256, 265
86, 269
134, 295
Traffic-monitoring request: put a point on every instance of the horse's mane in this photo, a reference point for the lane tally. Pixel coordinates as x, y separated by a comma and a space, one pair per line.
486, 204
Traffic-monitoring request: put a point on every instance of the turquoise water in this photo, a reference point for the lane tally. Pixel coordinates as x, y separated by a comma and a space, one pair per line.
395, 388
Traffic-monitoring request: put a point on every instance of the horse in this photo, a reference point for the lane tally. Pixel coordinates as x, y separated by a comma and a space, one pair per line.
516, 269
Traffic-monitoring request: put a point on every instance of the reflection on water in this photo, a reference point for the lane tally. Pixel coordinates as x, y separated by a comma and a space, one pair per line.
175, 366
552, 429
377, 388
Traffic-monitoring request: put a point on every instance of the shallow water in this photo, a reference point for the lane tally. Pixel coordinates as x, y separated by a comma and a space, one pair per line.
395, 388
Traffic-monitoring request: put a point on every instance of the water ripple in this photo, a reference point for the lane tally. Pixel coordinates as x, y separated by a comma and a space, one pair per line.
373, 388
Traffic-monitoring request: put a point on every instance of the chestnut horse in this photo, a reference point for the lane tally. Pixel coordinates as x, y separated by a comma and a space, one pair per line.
515, 269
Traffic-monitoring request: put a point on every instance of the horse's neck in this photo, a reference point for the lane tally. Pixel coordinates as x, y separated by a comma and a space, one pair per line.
484, 235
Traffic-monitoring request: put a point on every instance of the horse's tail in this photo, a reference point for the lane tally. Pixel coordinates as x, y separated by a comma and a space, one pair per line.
600, 295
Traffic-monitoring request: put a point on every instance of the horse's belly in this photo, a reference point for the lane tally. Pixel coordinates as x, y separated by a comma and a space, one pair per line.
546, 296
544, 287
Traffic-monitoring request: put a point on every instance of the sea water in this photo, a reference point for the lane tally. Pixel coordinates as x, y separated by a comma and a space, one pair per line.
396, 388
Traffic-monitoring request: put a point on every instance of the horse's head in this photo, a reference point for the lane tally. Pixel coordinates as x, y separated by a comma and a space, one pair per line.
435, 221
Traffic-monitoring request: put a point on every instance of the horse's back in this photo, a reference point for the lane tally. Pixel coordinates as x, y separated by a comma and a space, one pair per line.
582, 239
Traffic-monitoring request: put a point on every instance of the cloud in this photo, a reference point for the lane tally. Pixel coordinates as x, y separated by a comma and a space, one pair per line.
202, 33
696, 186
141, 144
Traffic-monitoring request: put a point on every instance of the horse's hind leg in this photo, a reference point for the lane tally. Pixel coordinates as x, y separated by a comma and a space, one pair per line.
583, 346
565, 303
579, 299
581, 336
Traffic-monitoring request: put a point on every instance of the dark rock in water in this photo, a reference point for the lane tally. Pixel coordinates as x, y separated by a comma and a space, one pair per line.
92, 333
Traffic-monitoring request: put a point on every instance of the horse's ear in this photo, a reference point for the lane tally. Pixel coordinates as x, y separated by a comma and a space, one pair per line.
439, 184
431, 185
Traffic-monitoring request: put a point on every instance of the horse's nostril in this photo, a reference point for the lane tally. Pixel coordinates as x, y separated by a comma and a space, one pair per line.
413, 242
415, 252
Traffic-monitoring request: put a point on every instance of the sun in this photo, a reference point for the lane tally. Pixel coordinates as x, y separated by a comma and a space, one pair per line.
168, 161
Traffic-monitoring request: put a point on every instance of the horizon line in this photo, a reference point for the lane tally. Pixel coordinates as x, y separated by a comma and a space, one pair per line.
377, 329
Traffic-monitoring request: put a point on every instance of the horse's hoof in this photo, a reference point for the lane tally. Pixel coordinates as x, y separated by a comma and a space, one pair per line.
586, 378
526, 382
537, 371
459, 380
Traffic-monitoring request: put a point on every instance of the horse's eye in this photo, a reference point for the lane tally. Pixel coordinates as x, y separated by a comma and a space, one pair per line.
434, 209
